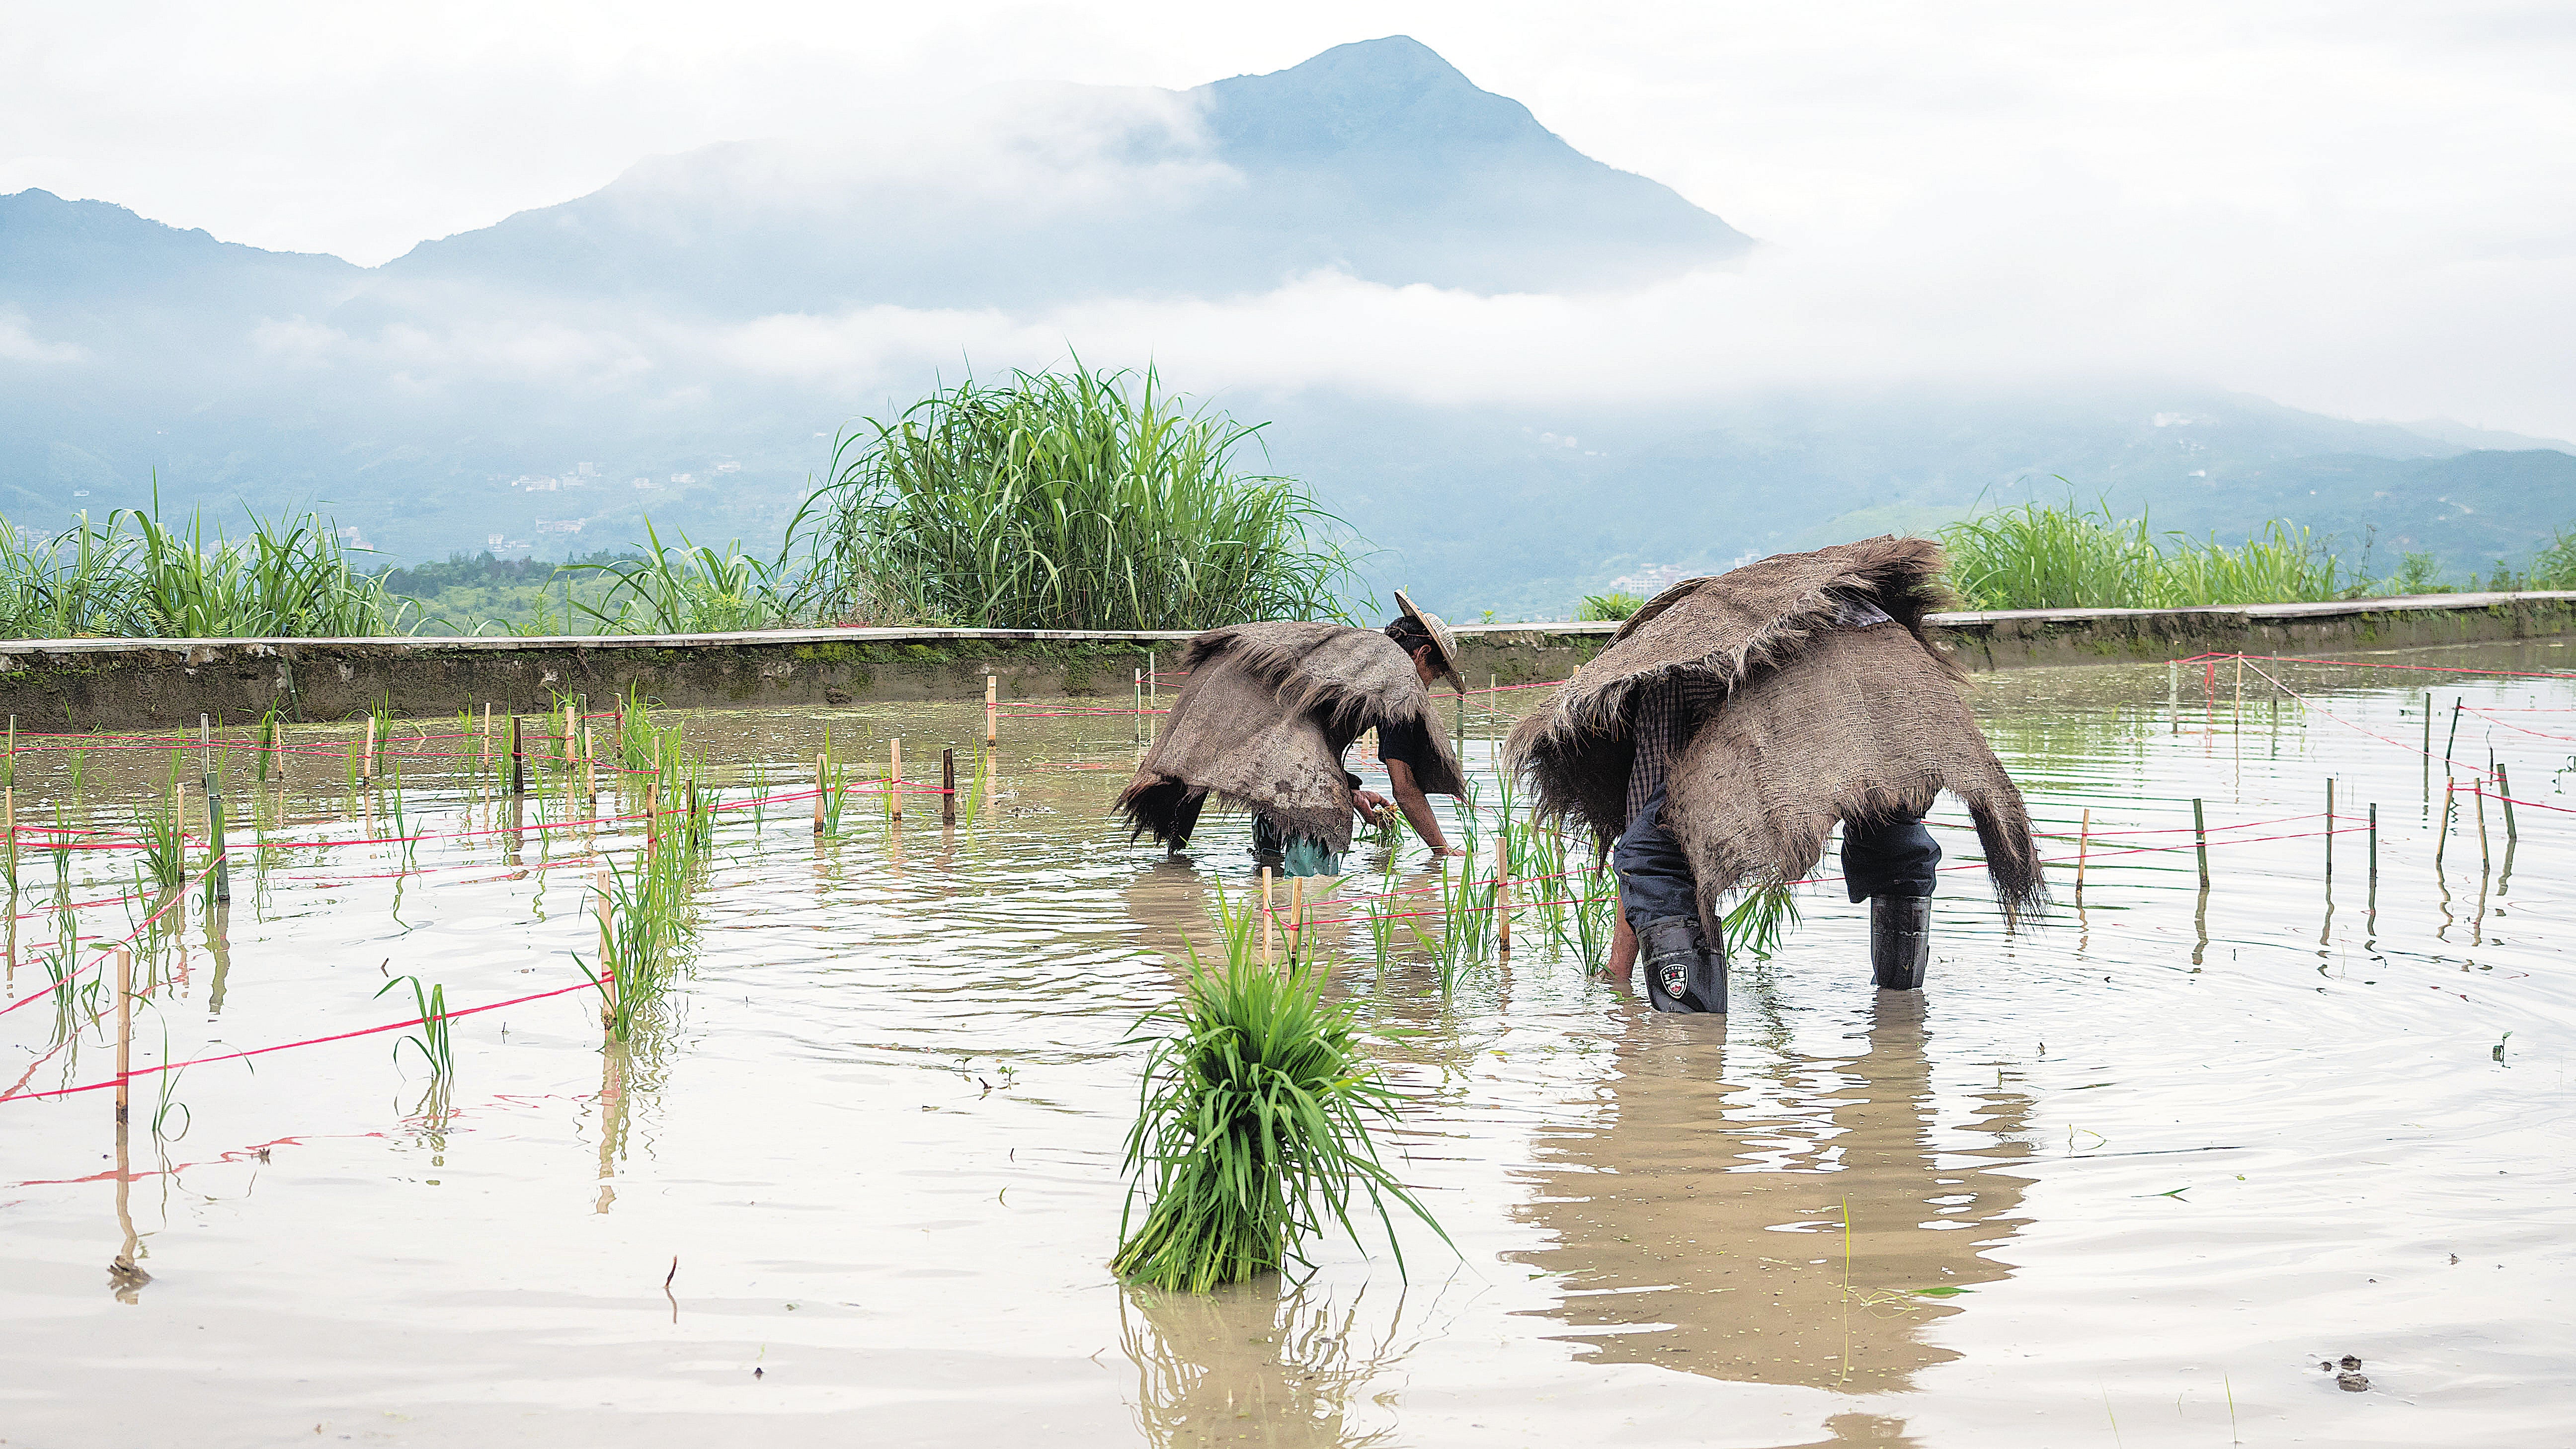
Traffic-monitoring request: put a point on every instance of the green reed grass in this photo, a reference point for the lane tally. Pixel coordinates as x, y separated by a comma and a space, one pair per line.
1080, 499
2058, 556
691, 588
1253, 1125
136, 575
1604, 607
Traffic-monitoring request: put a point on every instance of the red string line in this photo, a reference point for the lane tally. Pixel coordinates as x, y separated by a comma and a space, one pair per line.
14, 1095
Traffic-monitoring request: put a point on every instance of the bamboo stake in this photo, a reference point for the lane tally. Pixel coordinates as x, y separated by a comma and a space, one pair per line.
2428, 749
2504, 794
2374, 855
487, 734
367, 764
1140, 695
1296, 913
1153, 685
589, 762
124, 1031
2482, 825
992, 711
607, 967
894, 779
10, 796
2083, 848
518, 758
2442, 835
221, 857
2173, 695
1268, 916
2454, 737
822, 786
1502, 899
948, 786
13, 752
2200, 840
2330, 819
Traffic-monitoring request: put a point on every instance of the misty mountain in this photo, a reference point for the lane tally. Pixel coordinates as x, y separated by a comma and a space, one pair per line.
1377, 160
544, 384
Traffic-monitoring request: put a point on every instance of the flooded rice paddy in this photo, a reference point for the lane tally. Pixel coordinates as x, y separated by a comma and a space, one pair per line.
2141, 1174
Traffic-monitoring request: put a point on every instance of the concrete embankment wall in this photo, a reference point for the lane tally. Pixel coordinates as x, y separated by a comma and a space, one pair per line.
51, 684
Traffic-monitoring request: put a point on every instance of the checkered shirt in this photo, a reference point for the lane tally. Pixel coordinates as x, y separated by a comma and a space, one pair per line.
1669, 711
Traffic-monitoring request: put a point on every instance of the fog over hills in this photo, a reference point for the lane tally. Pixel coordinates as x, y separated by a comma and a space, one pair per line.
685, 340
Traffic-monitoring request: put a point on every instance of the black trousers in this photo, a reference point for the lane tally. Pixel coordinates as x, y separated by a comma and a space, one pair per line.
1880, 858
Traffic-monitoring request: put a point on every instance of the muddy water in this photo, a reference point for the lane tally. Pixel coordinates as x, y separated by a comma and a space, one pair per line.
2125, 1177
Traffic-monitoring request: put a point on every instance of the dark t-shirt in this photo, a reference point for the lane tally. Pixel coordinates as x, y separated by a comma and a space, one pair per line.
1410, 743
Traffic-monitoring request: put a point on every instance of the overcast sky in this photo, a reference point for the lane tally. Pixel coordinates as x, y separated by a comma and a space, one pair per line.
2370, 210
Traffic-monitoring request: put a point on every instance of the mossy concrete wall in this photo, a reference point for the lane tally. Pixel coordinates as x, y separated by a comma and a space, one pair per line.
144, 683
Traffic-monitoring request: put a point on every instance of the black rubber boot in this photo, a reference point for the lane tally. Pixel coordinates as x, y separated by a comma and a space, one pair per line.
1900, 941
1683, 973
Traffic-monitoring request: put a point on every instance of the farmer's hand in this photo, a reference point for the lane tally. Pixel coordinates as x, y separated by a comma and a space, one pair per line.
1371, 805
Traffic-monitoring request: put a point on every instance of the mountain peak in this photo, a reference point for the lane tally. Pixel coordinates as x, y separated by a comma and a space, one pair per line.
1369, 94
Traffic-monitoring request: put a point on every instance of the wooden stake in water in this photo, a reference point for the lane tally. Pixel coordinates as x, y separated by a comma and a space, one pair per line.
2330, 819
822, 786
222, 858
1296, 913
2374, 855
607, 953
589, 762
518, 758
1502, 899
2504, 796
1268, 916
367, 765
992, 711
948, 786
2173, 695
2083, 848
2442, 828
1153, 686
894, 779
124, 1030
2200, 840
1140, 694
2453, 737
2482, 824
2428, 749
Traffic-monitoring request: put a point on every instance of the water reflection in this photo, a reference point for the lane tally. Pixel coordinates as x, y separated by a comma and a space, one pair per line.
1701, 1225
1253, 1365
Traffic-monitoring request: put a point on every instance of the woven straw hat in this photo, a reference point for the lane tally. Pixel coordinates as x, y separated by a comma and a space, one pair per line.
1443, 643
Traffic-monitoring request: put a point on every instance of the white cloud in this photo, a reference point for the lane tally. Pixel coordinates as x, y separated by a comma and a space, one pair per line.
18, 344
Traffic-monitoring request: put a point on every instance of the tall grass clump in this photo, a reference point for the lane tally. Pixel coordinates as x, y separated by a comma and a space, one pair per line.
2051, 556
1602, 608
690, 589
1081, 499
1253, 1125
134, 575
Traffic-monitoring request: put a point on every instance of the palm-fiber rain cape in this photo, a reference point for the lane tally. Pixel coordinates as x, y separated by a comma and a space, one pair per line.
1819, 722
1261, 723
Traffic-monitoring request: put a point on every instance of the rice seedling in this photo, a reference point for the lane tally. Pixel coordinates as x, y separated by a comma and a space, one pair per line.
1078, 499
1760, 921
1253, 1125
433, 1042
165, 845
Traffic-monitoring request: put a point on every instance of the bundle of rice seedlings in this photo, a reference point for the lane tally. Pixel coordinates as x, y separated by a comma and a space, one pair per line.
1254, 1126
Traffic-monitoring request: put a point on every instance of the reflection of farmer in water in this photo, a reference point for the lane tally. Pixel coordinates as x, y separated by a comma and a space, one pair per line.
1263, 722
1734, 720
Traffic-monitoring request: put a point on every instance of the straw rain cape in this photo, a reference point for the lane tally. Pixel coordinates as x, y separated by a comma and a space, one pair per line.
1819, 722
1262, 724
